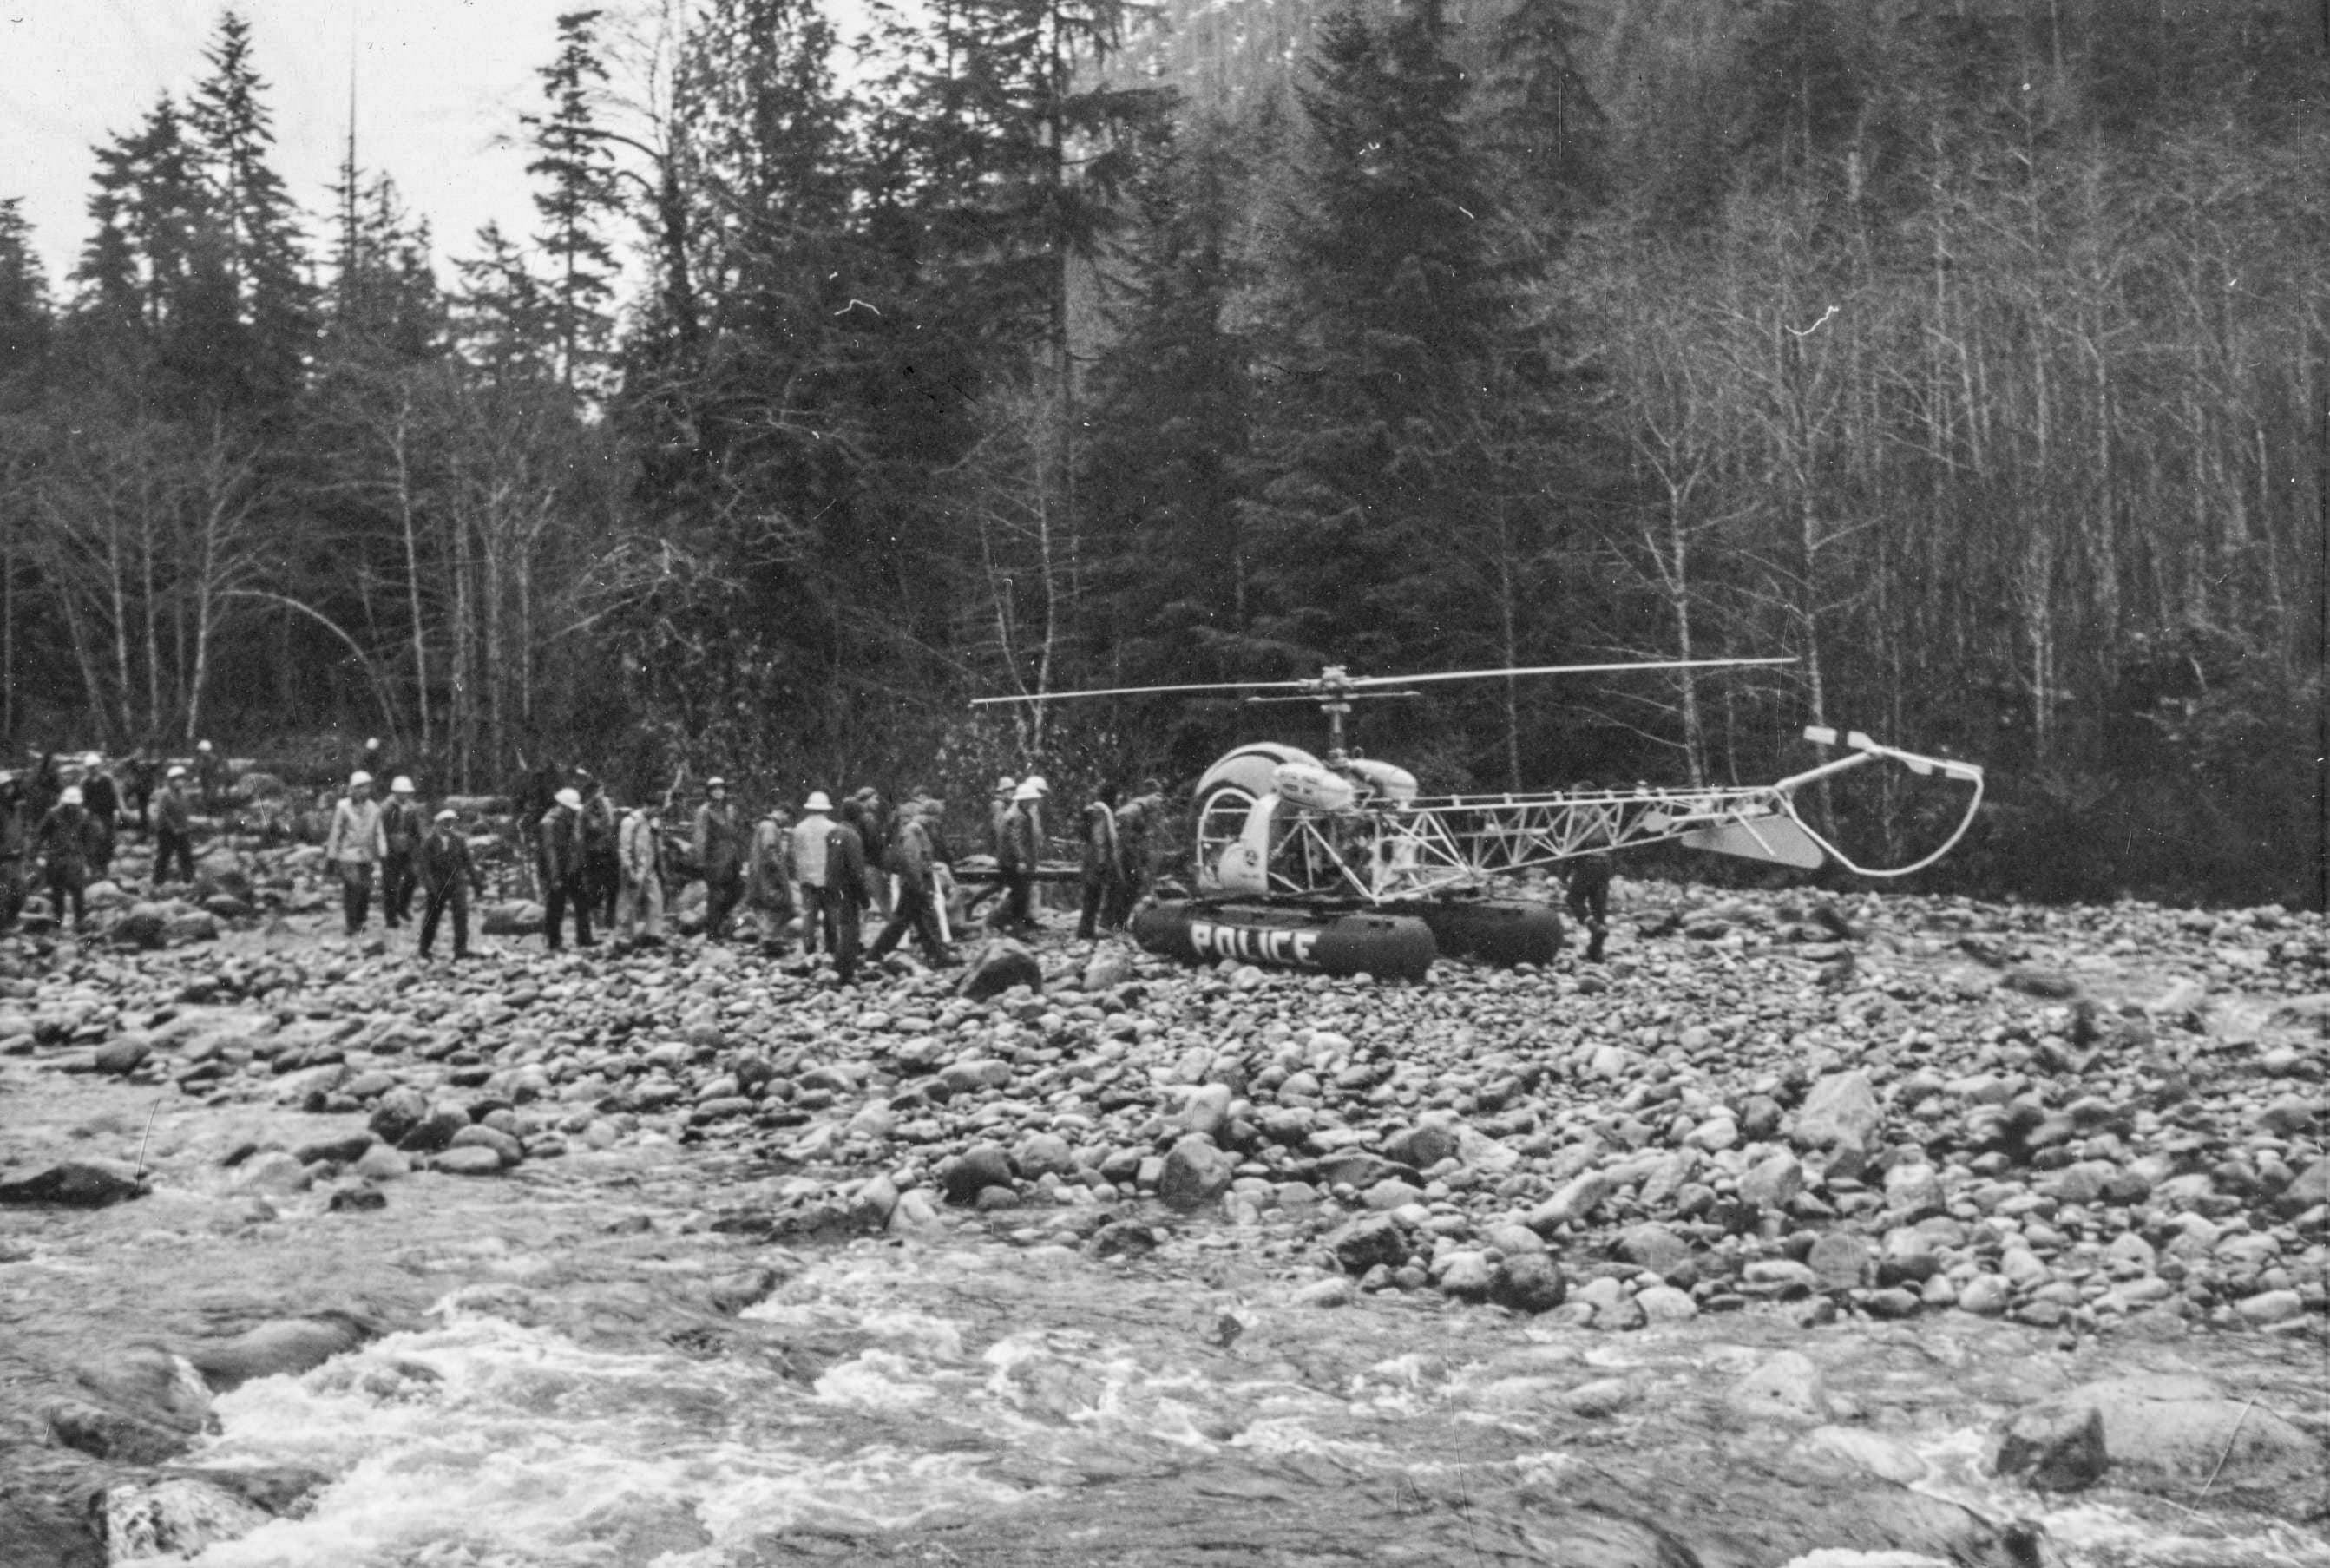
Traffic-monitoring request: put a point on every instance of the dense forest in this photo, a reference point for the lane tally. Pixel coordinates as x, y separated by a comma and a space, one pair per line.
1969, 354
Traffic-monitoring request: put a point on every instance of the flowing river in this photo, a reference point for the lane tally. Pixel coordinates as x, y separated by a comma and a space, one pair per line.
598, 1364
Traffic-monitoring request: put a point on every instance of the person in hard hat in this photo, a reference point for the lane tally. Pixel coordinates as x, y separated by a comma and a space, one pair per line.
138, 777
355, 846
1016, 858
638, 850
916, 859
210, 775
174, 827
374, 760
15, 835
102, 800
818, 918
768, 878
998, 807
400, 831
448, 876
719, 840
562, 885
68, 839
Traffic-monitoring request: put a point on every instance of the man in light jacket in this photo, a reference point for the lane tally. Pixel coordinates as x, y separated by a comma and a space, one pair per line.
563, 884
816, 916
639, 903
355, 844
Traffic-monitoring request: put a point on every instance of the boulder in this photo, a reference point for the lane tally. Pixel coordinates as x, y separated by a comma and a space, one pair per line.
1788, 1387
79, 1183
974, 1170
1842, 1107
998, 967
2175, 1434
281, 1346
1531, 1282
1369, 1241
2053, 1449
1196, 1173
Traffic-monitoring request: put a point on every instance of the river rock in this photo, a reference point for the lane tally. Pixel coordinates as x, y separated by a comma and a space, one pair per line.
82, 1183
1207, 1109
2053, 1448
1841, 1260
1196, 1173
1369, 1241
282, 1346
2174, 1434
974, 1170
1531, 1282
1773, 1183
467, 1160
512, 918
1841, 1108
1788, 1387
120, 1058
998, 967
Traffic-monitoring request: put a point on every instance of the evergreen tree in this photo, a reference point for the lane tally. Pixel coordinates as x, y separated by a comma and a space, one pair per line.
270, 309
1540, 117
577, 196
1388, 346
25, 320
502, 318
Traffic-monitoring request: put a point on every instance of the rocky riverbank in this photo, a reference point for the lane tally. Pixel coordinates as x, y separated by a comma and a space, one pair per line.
2100, 1131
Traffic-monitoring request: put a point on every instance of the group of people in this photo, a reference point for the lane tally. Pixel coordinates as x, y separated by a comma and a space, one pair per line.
61, 820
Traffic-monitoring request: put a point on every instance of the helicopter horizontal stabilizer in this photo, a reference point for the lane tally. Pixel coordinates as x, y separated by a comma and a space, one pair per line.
1776, 839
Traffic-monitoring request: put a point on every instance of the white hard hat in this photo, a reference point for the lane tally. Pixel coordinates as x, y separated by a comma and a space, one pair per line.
1004, 785
71, 796
371, 742
568, 798
92, 759
1039, 783
175, 772
202, 745
715, 782
358, 778
402, 785
817, 802
449, 815
1030, 791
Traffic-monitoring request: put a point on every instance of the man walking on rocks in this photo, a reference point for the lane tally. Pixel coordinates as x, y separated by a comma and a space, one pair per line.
602, 874
210, 775
450, 876
1104, 865
818, 918
1015, 857
914, 857
401, 833
719, 844
102, 801
562, 872
768, 883
638, 905
1590, 886
174, 833
15, 833
844, 887
68, 838
1136, 834
355, 844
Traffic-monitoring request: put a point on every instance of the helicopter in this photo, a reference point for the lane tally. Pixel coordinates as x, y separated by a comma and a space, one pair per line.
1337, 863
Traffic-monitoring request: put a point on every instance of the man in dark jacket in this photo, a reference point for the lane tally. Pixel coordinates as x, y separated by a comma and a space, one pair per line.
1103, 863
1016, 859
1588, 875
401, 830
16, 832
173, 828
68, 838
102, 800
1137, 823
602, 865
561, 871
719, 842
845, 870
210, 776
138, 775
448, 876
915, 860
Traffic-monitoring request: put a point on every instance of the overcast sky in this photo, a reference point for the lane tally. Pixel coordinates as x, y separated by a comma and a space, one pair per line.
439, 85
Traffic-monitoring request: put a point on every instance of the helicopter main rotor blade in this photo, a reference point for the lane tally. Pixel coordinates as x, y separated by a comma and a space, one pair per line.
1559, 670
1144, 691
